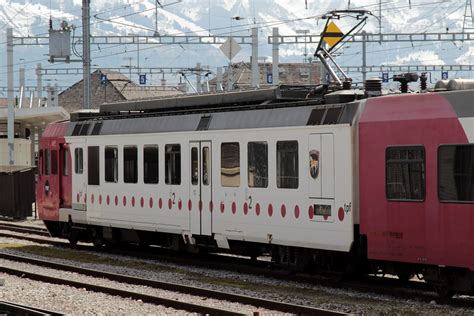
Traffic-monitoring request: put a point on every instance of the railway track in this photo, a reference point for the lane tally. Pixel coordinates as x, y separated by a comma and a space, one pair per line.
367, 284
218, 295
10, 308
24, 229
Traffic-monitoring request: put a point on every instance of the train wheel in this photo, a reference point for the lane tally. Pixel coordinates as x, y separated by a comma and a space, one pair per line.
98, 242
97, 239
73, 239
404, 277
444, 293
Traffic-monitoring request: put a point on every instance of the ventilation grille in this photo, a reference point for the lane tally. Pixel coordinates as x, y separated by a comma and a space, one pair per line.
97, 128
316, 117
332, 115
325, 116
204, 123
84, 129
77, 129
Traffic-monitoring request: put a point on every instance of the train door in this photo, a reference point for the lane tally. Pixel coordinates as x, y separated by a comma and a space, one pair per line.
64, 176
48, 182
200, 188
79, 195
321, 175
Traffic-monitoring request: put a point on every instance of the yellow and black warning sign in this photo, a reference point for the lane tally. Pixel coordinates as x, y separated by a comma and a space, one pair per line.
332, 34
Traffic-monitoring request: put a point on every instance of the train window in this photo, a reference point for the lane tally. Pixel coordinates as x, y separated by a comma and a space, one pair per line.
287, 164
150, 164
111, 164
230, 165
65, 159
173, 164
47, 162
130, 164
405, 173
93, 170
456, 173
54, 162
41, 162
78, 161
257, 164
194, 166
205, 165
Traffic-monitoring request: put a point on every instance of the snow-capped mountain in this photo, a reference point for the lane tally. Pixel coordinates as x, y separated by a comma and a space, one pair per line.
219, 17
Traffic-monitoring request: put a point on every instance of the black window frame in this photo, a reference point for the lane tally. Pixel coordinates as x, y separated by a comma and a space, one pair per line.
450, 201
79, 160
147, 177
251, 163
65, 162
93, 165
130, 166
111, 169
205, 165
224, 156
278, 170
406, 161
41, 161
173, 162
194, 165
54, 162
47, 162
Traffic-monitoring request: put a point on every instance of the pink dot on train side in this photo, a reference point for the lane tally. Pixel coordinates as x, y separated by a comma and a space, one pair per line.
340, 214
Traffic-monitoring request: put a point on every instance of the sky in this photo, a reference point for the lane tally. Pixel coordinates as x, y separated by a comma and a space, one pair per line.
225, 18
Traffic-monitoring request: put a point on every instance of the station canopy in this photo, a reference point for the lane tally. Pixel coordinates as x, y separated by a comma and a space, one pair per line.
36, 116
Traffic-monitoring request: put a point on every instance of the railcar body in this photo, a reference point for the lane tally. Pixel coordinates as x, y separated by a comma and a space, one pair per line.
386, 181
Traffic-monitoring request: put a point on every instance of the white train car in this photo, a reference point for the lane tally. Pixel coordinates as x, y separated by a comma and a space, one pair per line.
278, 174
324, 181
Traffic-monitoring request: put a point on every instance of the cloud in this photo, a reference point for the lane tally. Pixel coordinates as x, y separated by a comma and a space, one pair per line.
421, 57
466, 58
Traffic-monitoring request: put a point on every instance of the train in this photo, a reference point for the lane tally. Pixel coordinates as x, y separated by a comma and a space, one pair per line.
323, 179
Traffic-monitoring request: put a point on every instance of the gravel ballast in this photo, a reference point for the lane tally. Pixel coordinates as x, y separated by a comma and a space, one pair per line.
228, 281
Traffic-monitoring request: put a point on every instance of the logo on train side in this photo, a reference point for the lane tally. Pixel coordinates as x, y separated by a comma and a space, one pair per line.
347, 207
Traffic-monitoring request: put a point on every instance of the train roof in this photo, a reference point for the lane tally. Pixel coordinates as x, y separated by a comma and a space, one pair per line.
311, 114
283, 106
274, 97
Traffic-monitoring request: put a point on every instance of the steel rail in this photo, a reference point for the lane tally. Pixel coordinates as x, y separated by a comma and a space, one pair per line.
174, 287
10, 308
122, 293
27, 230
365, 284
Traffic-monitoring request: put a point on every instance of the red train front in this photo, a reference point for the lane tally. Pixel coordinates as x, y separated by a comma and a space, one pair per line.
416, 161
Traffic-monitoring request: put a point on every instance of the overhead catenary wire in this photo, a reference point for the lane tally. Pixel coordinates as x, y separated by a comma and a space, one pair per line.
239, 29
236, 29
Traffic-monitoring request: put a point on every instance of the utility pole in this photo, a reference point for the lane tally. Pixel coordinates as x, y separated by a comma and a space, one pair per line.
380, 17
468, 25
275, 57
39, 82
10, 102
255, 68
364, 56
86, 53
156, 17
